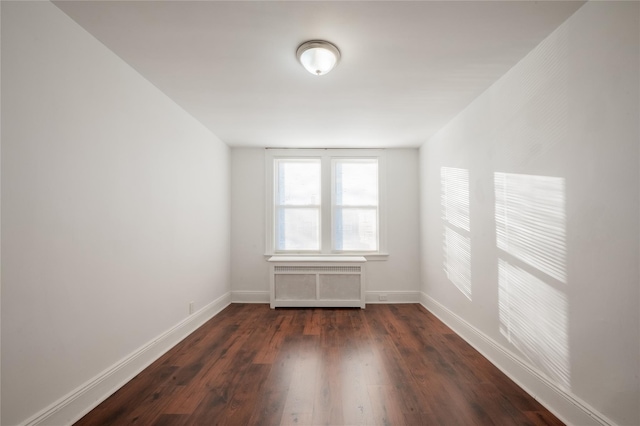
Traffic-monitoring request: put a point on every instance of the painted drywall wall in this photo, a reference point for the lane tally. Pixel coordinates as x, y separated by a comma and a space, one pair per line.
115, 210
398, 276
249, 270
0, 222
529, 211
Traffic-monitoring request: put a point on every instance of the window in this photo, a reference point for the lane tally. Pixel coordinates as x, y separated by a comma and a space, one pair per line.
325, 202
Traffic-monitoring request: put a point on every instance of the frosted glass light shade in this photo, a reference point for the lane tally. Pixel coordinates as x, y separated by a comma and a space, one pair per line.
318, 57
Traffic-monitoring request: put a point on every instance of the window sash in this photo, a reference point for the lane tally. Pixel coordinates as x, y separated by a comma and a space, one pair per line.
347, 198
302, 231
307, 238
305, 163
354, 236
346, 242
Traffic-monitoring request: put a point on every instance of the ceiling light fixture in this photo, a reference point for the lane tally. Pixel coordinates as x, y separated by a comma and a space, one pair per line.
318, 56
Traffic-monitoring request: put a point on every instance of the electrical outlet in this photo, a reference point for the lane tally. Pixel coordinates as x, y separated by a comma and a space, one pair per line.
382, 297
191, 304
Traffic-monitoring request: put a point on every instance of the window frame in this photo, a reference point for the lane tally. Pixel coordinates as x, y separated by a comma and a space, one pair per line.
326, 157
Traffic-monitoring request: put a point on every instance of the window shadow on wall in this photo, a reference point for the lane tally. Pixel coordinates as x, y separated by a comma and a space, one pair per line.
531, 238
456, 240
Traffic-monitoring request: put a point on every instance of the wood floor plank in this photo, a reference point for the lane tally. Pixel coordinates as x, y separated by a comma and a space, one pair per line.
298, 407
269, 407
171, 420
186, 400
385, 365
274, 338
543, 418
327, 406
313, 326
244, 395
356, 402
387, 409
150, 409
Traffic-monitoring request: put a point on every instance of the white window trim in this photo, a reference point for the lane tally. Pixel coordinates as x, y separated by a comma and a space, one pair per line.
326, 155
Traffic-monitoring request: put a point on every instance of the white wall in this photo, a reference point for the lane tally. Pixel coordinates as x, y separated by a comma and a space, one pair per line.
398, 277
249, 270
115, 210
0, 226
565, 117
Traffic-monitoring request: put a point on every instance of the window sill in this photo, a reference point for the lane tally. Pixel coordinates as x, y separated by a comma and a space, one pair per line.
371, 257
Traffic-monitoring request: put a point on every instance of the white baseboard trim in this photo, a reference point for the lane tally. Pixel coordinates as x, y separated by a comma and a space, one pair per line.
250, 297
86, 397
370, 296
392, 297
565, 405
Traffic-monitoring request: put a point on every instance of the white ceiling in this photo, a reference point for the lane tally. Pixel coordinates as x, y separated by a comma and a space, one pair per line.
407, 68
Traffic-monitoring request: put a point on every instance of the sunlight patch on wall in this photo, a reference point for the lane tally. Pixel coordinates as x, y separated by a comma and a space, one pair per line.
530, 221
457, 249
455, 197
531, 238
533, 317
456, 234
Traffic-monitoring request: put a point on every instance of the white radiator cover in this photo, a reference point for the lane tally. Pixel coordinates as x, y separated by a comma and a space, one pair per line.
317, 281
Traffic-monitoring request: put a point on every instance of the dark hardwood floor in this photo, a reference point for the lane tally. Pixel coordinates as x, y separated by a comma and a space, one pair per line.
386, 365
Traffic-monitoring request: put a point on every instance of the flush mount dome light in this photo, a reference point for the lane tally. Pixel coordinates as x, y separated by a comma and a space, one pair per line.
318, 56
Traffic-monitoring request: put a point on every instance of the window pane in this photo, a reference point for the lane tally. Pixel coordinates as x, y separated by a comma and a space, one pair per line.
356, 229
356, 182
297, 229
298, 182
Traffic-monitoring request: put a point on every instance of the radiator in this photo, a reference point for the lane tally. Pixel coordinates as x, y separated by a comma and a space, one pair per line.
317, 281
